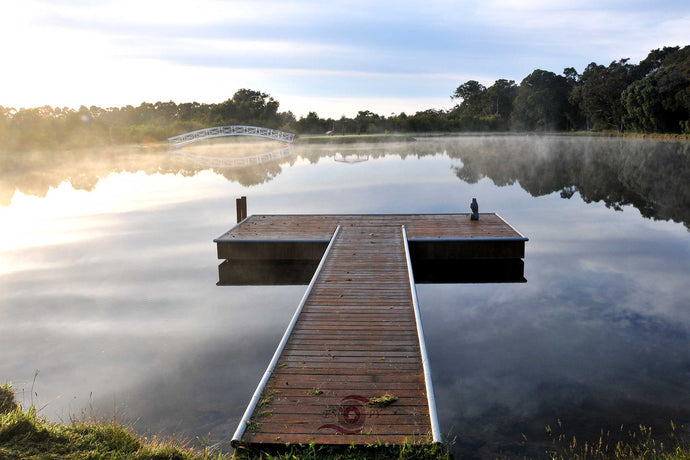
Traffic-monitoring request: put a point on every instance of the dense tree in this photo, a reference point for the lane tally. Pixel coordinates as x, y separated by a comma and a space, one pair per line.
655, 60
660, 102
598, 94
541, 102
367, 122
481, 108
254, 105
472, 94
312, 124
499, 99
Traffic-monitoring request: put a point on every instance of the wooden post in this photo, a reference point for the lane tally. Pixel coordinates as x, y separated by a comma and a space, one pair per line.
244, 207
241, 205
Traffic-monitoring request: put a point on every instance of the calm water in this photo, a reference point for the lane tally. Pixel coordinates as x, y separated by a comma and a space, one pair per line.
108, 278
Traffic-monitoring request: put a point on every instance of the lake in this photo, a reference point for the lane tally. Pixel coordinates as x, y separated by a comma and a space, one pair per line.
110, 305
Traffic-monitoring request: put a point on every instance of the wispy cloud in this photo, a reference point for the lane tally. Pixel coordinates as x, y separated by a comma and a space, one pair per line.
72, 52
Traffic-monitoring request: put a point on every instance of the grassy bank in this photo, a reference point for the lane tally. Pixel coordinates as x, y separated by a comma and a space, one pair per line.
622, 445
24, 435
410, 136
372, 452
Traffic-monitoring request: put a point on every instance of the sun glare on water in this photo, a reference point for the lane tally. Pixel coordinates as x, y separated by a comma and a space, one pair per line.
67, 215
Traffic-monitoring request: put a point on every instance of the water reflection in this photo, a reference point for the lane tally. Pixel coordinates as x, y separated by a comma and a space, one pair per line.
350, 158
437, 271
266, 272
117, 296
206, 161
652, 176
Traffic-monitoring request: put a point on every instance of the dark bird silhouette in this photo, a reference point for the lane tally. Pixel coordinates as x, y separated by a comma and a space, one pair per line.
474, 206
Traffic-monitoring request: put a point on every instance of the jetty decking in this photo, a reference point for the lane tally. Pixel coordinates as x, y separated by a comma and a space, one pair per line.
356, 335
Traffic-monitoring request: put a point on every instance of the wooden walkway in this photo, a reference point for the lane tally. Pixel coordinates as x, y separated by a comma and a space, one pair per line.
356, 335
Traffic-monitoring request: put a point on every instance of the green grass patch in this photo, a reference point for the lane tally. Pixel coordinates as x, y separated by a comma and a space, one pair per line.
638, 444
382, 401
26, 436
7, 402
378, 451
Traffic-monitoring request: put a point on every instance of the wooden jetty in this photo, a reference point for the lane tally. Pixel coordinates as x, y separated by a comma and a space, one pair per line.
356, 336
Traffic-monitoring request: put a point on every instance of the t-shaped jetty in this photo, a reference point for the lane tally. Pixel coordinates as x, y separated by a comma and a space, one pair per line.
352, 365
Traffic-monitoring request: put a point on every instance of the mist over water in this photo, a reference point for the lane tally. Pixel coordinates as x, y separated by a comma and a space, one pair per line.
108, 273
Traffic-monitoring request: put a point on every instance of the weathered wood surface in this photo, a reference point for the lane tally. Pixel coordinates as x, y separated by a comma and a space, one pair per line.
431, 236
355, 339
321, 227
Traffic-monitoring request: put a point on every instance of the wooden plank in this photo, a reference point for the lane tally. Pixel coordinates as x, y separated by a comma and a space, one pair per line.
321, 227
356, 339
432, 237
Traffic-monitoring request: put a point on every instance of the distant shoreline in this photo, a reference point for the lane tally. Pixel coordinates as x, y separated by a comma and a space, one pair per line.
411, 136
311, 139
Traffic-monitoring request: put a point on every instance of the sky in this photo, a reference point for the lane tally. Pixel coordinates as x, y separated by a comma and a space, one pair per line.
334, 58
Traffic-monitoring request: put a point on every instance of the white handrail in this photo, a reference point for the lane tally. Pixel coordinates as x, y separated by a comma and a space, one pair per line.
233, 130
431, 399
236, 438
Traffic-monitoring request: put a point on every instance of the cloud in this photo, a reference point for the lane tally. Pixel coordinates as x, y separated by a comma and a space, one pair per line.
125, 52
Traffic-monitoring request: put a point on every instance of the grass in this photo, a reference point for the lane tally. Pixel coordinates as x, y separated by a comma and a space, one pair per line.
636, 444
26, 436
382, 401
378, 451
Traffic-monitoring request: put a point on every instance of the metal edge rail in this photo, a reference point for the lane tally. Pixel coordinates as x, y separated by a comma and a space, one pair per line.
237, 437
513, 228
467, 240
431, 399
384, 214
256, 240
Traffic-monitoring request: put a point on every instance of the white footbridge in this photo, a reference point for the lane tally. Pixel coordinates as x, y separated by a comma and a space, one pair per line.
234, 130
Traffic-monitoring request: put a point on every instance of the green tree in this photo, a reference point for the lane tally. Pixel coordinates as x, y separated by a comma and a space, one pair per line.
541, 102
312, 124
255, 106
660, 102
498, 99
472, 94
598, 94
367, 122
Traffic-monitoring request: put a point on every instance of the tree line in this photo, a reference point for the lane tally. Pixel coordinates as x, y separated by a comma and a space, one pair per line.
652, 96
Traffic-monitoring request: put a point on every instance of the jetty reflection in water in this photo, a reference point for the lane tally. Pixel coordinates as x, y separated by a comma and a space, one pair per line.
300, 272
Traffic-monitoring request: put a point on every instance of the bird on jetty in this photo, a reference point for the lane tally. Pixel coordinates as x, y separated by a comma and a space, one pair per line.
474, 206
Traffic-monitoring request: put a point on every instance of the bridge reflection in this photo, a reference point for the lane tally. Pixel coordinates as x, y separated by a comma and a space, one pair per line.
229, 162
351, 158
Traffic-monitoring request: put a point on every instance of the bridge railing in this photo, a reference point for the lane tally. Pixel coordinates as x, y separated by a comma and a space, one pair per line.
234, 130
